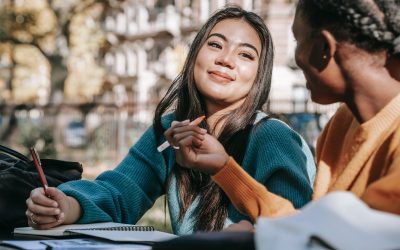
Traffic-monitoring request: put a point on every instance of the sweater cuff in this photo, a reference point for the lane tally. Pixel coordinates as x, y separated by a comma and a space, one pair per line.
249, 196
233, 179
226, 171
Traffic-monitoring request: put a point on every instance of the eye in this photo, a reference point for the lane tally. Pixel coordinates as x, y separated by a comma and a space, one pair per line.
214, 45
247, 55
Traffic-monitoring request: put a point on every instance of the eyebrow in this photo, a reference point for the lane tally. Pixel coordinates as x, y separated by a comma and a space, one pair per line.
240, 44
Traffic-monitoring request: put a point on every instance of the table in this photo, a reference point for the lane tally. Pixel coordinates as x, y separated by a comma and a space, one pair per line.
198, 241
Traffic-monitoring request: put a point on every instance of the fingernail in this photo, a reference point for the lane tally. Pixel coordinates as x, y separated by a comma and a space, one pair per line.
203, 130
60, 217
57, 211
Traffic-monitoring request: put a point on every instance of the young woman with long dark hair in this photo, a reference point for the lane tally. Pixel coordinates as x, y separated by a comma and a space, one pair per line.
226, 77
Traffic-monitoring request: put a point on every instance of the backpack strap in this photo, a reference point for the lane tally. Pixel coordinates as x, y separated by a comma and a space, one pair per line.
14, 153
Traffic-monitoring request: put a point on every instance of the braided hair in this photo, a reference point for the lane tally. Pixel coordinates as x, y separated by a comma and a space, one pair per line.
373, 25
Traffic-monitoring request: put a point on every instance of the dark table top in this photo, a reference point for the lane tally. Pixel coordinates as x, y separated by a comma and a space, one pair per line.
198, 241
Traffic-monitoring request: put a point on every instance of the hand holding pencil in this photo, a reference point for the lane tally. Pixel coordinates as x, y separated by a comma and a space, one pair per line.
195, 148
166, 144
47, 206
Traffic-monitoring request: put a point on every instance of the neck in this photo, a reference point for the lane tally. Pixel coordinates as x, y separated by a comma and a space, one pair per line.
393, 65
371, 92
371, 84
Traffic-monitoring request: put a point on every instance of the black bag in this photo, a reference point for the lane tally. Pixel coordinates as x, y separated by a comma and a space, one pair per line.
18, 176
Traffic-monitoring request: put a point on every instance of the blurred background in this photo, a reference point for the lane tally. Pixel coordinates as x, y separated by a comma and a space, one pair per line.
80, 79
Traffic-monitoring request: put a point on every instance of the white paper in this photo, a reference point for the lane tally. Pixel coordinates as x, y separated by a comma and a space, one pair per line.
25, 244
62, 230
76, 244
83, 244
128, 236
339, 219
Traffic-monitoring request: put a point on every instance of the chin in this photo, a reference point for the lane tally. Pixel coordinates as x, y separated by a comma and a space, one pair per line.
322, 100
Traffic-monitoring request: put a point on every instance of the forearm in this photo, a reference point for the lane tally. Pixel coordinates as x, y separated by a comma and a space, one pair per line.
249, 196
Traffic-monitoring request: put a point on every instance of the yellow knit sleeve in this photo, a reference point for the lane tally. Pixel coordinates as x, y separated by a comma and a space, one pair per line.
249, 196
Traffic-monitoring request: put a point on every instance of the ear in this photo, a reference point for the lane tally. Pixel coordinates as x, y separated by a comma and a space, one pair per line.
323, 49
330, 43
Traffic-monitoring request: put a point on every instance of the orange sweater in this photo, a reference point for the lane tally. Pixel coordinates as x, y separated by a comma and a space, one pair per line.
361, 158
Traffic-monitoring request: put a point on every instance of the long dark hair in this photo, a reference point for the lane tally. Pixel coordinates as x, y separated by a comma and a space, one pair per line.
373, 25
186, 101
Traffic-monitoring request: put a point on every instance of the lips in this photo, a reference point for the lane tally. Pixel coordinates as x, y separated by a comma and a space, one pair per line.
218, 75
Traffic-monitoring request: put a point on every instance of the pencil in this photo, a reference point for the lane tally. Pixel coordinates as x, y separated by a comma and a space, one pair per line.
38, 165
166, 144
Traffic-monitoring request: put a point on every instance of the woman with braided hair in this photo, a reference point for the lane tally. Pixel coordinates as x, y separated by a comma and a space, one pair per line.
349, 52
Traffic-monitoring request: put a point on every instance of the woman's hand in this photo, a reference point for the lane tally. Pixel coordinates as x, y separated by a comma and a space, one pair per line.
241, 226
195, 148
56, 208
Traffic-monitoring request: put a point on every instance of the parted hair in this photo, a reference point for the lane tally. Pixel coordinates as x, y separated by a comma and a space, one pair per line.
187, 103
373, 25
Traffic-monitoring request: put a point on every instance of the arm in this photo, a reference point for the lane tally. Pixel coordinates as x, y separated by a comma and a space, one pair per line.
249, 196
282, 169
384, 194
280, 163
127, 192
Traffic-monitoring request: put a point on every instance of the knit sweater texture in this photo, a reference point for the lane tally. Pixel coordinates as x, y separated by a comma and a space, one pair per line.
361, 158
276, 156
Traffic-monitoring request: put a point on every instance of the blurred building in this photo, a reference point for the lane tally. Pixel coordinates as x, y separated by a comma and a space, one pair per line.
118, 60
148, 42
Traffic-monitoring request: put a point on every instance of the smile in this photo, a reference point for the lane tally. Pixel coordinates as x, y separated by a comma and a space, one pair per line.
220, 76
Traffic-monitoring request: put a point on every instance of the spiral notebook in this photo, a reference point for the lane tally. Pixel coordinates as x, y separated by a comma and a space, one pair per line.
109, 230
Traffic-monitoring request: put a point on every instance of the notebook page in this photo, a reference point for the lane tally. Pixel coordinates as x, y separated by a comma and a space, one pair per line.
61, 230
128, 236
92, 244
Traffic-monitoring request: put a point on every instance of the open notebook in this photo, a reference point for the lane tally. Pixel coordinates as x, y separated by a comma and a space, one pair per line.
108, 230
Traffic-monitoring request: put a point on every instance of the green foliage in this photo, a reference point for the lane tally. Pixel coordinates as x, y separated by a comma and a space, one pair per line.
40, 137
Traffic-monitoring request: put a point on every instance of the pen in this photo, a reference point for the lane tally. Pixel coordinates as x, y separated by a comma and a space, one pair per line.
38, 165
196, 122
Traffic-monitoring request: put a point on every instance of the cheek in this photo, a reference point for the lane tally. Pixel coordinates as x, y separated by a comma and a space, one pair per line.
200, 64
299, 58
248, 74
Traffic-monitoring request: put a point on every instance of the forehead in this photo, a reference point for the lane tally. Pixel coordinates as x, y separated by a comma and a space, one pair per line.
237, 31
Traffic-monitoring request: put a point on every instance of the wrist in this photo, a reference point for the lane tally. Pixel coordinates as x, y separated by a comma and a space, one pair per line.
219, 167
74, 211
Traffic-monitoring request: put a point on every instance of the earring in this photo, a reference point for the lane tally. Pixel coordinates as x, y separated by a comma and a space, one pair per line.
324, 57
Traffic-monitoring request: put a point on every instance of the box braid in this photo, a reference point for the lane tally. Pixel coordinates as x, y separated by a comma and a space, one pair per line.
373, 25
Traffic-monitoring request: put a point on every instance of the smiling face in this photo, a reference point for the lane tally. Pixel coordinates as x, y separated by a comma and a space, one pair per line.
227, 64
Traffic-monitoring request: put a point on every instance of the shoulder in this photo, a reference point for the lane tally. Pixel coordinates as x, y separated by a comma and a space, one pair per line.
272, 129
167, 119
338, 125
149, 134
273, 136
343, 116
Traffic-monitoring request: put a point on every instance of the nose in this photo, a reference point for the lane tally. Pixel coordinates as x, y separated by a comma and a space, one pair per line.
226, 59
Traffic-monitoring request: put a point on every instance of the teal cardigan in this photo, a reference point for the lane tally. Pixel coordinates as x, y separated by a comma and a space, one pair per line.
276, 156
